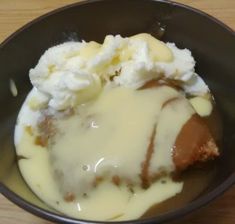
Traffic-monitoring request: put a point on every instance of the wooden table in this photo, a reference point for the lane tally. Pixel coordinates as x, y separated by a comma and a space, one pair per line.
15, 13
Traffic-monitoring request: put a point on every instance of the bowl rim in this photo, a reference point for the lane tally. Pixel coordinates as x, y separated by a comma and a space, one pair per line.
168, 216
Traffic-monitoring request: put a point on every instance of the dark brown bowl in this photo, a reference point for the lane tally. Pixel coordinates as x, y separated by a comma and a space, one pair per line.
211, 42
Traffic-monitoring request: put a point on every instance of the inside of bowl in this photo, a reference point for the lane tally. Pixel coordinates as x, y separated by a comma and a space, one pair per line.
211, 44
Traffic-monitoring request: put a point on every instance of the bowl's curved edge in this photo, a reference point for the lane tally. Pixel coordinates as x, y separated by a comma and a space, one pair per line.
42, 17
81, 2
202, 201
202, 13
169, 216
40, 212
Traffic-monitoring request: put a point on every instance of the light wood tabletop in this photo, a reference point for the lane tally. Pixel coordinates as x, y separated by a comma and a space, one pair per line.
15, 13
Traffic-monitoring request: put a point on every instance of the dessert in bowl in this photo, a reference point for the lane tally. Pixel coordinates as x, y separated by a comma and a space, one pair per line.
113, 122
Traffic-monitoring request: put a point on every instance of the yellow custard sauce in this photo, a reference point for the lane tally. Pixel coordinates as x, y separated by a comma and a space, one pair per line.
113, 141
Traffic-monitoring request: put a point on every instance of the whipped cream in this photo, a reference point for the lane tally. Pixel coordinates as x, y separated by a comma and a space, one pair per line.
74, 72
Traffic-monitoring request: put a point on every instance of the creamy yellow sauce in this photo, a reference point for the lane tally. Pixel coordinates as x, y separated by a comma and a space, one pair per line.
202, 105
106, 137
110, 136
172, 118
107, 202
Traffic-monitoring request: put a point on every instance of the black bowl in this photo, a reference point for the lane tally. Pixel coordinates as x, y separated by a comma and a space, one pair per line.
211, 42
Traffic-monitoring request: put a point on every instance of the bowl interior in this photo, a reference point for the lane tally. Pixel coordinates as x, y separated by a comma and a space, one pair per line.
212, 45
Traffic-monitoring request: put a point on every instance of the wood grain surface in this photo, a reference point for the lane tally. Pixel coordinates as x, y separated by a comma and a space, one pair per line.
15, 13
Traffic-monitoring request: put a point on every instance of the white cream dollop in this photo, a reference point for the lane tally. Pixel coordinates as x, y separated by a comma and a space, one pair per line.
58, 75
72, 73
